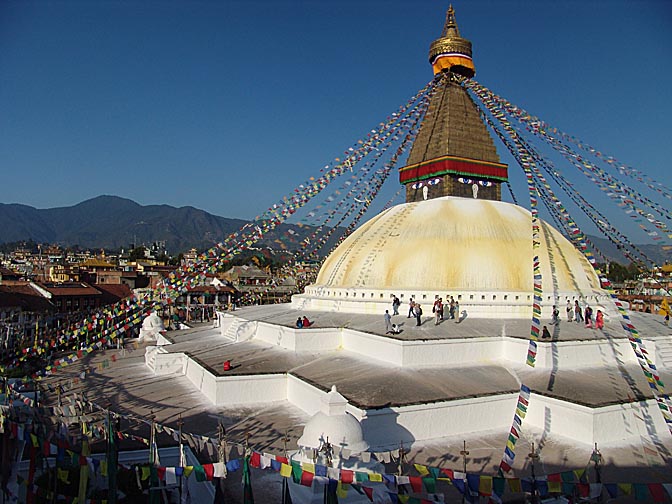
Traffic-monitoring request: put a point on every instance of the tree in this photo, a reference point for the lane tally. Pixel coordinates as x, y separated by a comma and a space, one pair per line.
137, 253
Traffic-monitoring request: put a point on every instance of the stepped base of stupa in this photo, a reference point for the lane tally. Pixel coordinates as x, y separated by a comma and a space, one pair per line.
457, 378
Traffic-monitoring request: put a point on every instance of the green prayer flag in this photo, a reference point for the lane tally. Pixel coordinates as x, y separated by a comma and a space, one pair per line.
199, 471
498, 485
296, 471
248, 498
641, 492
430, 484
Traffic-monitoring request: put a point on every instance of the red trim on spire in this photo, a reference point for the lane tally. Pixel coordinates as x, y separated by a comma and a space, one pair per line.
454, 166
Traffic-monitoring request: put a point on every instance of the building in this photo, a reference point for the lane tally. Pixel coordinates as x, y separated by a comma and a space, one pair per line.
71, 296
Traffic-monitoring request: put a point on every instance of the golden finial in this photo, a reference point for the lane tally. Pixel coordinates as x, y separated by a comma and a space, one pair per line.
450, 26
451, 52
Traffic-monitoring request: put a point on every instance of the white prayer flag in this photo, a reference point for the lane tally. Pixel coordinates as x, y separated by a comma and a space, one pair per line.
219, 470
171, 478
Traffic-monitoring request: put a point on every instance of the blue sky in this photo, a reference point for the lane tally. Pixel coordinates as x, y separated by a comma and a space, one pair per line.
228, 105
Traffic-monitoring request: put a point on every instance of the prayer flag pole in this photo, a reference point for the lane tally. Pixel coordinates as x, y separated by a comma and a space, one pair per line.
286, 497
221, 457
464, 454
181, 462
533, 455
111, 460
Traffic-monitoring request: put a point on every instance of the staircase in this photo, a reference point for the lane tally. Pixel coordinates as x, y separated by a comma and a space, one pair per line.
664, 353
231, 332
150, 356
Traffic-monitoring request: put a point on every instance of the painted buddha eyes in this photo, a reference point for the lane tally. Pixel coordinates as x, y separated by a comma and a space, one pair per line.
482, 183
432, 182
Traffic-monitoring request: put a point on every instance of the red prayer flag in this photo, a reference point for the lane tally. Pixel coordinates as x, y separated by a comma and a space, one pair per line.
347, 476
282, 459
369, 492
209, 471
307, 478
161, 473
448, 472
416, 483
584, 489
657, 492
555, 478
255, 459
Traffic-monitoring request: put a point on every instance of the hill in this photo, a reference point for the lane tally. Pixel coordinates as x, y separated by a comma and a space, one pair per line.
111, 222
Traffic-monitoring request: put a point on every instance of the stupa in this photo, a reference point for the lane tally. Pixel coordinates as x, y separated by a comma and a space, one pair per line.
453, 236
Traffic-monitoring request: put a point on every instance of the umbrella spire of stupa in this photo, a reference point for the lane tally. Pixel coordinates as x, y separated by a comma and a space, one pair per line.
453, 153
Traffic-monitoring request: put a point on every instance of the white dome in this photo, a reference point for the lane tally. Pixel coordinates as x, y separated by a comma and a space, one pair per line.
341, 429
480, 250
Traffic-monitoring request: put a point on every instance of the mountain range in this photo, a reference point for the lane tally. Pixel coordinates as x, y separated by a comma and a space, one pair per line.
112, 222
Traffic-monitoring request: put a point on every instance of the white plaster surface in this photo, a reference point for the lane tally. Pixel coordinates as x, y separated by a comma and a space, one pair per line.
568, 363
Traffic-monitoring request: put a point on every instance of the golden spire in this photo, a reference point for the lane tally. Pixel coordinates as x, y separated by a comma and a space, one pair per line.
450, 28
451, 52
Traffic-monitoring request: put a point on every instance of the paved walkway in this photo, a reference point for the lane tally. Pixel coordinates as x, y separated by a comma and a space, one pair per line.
468, 327
369, 384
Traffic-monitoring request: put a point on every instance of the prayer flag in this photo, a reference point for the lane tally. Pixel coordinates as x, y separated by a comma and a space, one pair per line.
285, 470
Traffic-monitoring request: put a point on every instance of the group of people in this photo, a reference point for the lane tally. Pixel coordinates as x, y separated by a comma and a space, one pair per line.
391, 328
415, 311
439, 306
303, 322
578, 315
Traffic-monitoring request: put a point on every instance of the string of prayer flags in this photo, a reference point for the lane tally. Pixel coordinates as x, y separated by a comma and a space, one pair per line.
514, 433
495, 106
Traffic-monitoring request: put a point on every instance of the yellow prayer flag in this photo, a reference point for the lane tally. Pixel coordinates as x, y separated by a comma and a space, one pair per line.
145, 473
485, 485
376, 477
63, 475
626, 488
103, 467
36, 442
578, 473
421, 469
404, 498
555, 486
514, 485
187, 471
342, 490
285, 470
510, 445
306, 466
